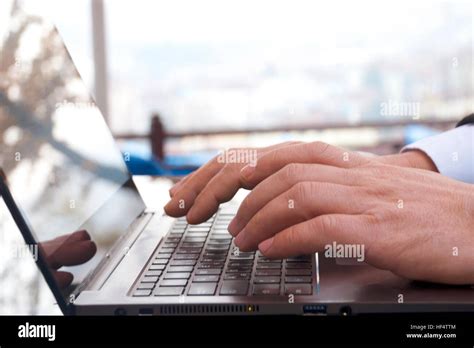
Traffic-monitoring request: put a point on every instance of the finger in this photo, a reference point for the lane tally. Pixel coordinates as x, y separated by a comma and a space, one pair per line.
313, 235
220, 189
316, 152
51, 246
225, 185
63, 279
73, 237
72, 253
302, 202
176, 187
183, 198
282, 181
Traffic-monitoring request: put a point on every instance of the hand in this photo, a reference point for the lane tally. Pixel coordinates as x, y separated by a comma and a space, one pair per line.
415, 223
199, 194
68, 250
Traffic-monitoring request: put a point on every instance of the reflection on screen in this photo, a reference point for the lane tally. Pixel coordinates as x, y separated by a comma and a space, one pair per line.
60, 160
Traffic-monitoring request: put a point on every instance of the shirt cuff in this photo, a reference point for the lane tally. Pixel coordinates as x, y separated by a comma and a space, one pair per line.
452, 152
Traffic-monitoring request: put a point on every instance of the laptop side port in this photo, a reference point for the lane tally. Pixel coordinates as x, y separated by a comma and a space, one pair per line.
315, 309
145, 311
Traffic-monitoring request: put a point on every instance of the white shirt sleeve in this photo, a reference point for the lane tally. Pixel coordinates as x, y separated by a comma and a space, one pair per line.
452, 152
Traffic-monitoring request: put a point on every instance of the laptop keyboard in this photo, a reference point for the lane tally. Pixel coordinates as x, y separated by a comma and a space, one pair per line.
202, 260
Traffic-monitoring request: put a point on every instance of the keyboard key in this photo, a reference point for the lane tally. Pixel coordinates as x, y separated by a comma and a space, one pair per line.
166, 250
237, 276
183, 262
163, 256
186, 257
199, 228
215, 252
213, 241
157, 267
304, 258
242, 257
269, 266
221, 237
239, 269
298, 289
197, 235
220, 230
160, 261
192, 245
217, 247
170, 245
169, 291
150, 279
174, 282
194, 239
268, 272
266, 280
143, 286
209, 271
234, 287
182, 275
266, 289
240, 263
202, 289
264, 261
206, 278
299, 265
298, 272
178, 233
223, 223
297, 279
180, 269
211, 265
189, 250
153, 273
140, 293
215, 256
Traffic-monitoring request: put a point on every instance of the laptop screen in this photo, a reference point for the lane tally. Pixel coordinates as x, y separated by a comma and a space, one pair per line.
60, 161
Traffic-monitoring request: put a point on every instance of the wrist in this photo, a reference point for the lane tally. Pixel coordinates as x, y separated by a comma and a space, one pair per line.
412, 159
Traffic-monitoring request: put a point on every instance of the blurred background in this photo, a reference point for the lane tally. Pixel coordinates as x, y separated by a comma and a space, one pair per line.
365, 74
178, 81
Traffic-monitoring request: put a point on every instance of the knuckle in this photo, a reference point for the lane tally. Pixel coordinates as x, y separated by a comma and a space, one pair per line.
269, 157
327, 223
380, 171
292, 237
298, 191
256, 221
302, 194
247, 203
304, 191
289, 173
319, 147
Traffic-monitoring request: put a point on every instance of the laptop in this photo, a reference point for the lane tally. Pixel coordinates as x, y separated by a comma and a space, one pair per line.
63, 172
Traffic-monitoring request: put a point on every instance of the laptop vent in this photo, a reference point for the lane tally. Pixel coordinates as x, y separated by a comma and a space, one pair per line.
208, 309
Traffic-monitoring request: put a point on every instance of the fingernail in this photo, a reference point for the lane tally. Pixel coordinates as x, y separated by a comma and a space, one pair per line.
247, 171
190, 218
234, 227
239, 239
265, 245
